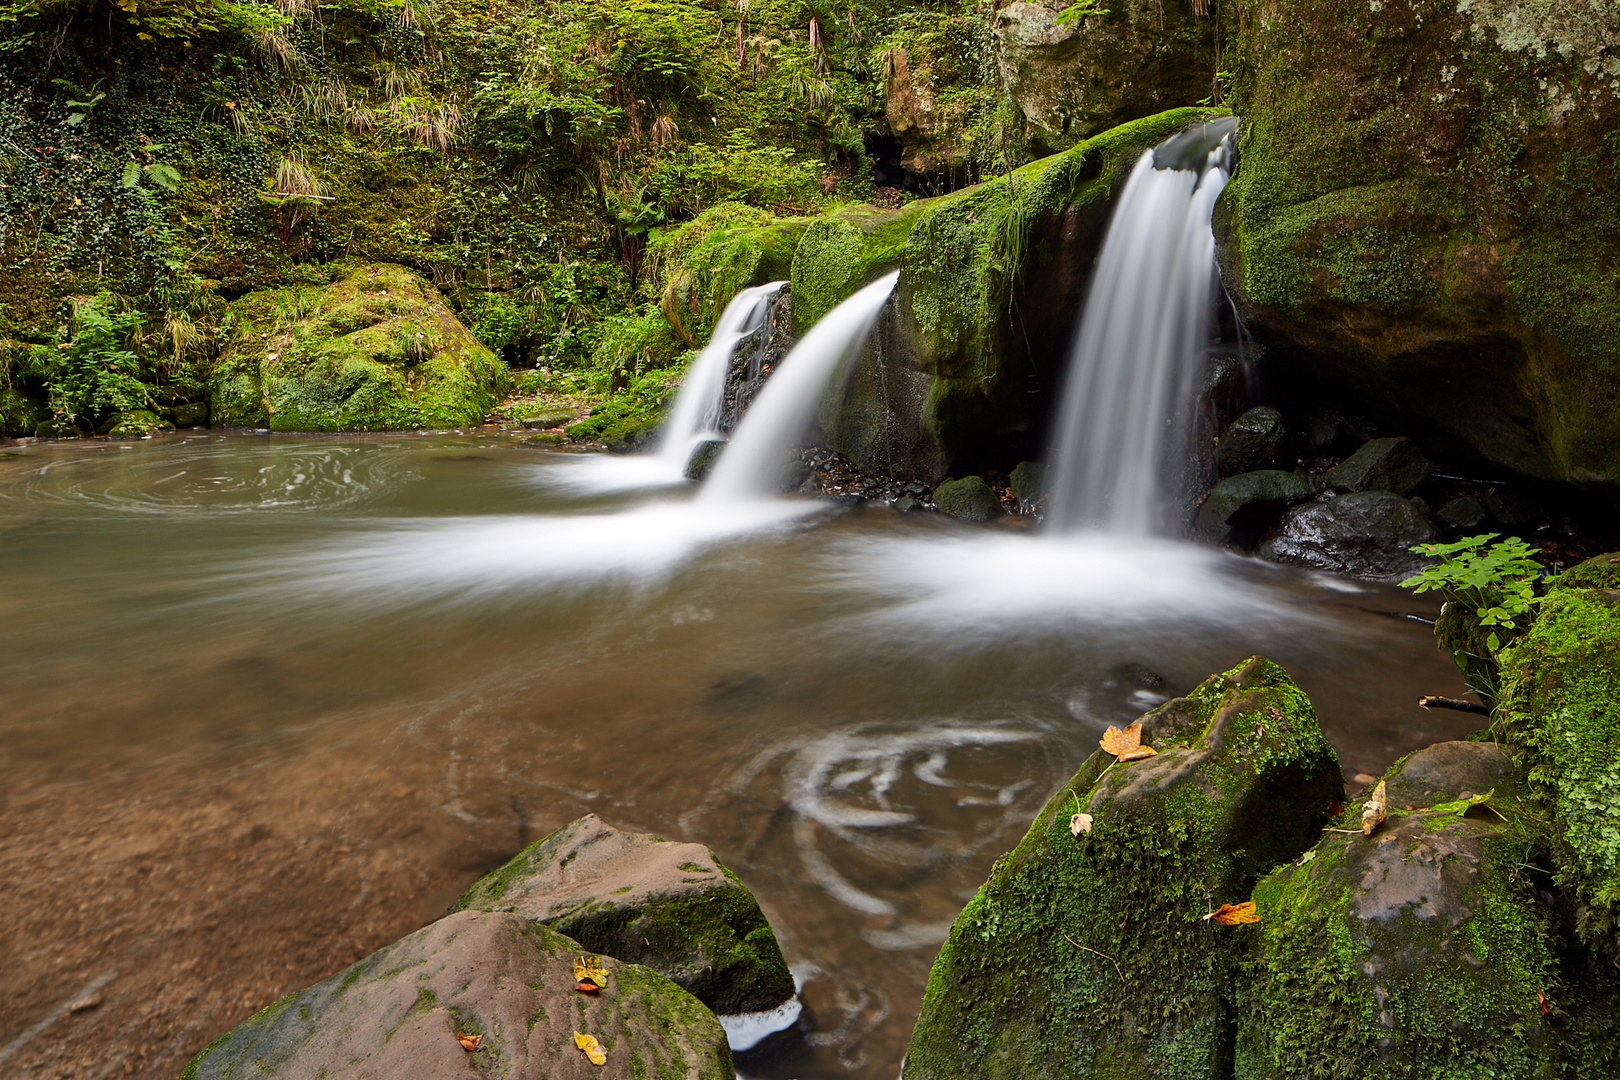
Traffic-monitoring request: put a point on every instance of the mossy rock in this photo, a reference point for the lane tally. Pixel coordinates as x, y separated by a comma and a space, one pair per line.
1393, 464
970, 499
713, 257
1240, 507
1425, 217
1560, 705
646, 900
136, 424
398, 1013
376, 348
1088, 955
1421, 951
1598, 572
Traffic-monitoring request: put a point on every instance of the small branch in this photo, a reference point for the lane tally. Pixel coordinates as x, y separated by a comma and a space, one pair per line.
301, 195
1089, 949
1433, 701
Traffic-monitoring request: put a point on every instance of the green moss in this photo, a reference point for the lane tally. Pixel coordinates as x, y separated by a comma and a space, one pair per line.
1598, 572
1089, 955
843, 251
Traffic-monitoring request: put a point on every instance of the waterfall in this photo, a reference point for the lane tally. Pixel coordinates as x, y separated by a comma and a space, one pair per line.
1126, 410
701, 400
781, 415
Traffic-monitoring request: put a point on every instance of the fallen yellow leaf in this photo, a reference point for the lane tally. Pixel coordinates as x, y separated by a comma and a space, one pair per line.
593, 1049
1234, 914
1127, 744
1080, 823
589, 975
1372, 815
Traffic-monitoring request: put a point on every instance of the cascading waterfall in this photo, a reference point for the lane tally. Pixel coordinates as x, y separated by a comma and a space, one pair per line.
701, 400
1125, 414
780, 416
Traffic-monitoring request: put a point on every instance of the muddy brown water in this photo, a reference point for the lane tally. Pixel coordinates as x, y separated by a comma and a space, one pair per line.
268, 703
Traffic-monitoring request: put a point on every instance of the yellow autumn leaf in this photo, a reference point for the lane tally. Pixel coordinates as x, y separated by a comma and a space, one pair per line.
1126, 745
1372, 815
593, 1049
1235, 914
1080, 823
589, 974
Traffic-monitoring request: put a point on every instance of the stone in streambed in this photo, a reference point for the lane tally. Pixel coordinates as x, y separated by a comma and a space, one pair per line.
397, 1014
1422, 950
970, 499
1369, 534
703, 459
1382, 465
1028, 483
1240, 507
1088, 955
646, 900
1251, 442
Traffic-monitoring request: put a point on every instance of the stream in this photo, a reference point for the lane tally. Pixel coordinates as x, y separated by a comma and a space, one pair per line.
302, 690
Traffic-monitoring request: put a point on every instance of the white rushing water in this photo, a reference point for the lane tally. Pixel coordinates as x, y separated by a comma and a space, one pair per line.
695, 415
780, 416
1125, 414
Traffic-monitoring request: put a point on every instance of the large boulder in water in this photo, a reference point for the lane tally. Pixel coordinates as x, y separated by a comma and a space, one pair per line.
1240, 508
1068, 82
374, 348
1382, 465
646, 900
1423, 221
1369, 534
398, 1013
970, 499
1087, 953
1427, 949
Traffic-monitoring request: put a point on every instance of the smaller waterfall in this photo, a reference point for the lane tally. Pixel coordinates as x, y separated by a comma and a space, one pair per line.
699, 404
1125, 413
781, 415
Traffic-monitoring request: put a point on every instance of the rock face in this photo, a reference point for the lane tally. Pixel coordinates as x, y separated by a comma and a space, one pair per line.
399, 1011
970, 499
1070, 82
1382, 465
1422, 950
1240, 507
1086, 954
1251, 442
1423, 219
1369, 534
646, 900
1561, 702
374, 349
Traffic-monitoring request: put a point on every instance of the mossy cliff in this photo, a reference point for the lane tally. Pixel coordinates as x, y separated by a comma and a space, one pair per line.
375, 348
1426, 216
1088, 955
990, 278
1560, 706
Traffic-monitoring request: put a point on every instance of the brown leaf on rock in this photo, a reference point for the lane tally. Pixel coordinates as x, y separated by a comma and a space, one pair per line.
1126, 745
1372, 815
1234, 914
589, 974
470, 1043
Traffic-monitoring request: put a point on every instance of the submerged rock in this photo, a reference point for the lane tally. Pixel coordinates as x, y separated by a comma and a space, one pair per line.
1028, 483
1382, 465
970, 499
1239, 508
398, 1013
374, 349
1369, 534
1251, 442
646, 900
1086, 953
1422, 950
704, 458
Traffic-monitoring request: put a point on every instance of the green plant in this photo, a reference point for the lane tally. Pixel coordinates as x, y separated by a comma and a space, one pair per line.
96, 371
1498, 581
1078, 10
164, 176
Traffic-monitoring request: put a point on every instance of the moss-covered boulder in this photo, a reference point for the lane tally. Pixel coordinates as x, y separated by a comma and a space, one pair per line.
1422, 951
950, 380
1393, 464
374, 348
399, 1012
970, 499
1426, 219
1239, 508
1560, 703
646, 900
1087, 953
713, 257
1068, 82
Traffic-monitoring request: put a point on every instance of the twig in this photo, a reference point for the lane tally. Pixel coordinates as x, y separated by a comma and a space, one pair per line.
1434, 701
1089, 949
302, 195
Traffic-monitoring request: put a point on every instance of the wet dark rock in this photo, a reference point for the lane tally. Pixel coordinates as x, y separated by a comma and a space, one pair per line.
646, 900
1078, 935
1028, 483
398, 1013
1461, 513
1251, 442
1240, 508
905, 503
1512, 508
970, 499
704, 456
190, 413
794, 473
548, 418
1422, 950
1382, 465
1368, 534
